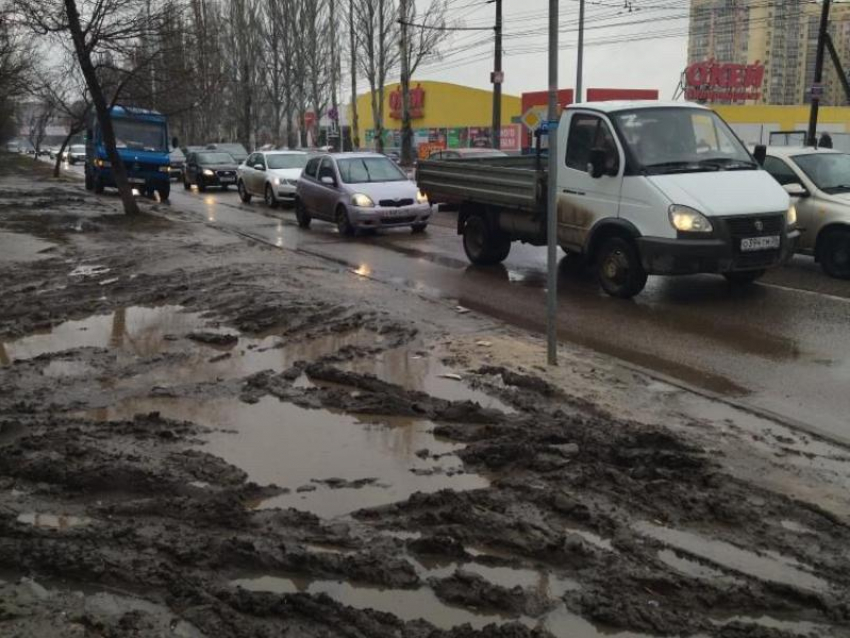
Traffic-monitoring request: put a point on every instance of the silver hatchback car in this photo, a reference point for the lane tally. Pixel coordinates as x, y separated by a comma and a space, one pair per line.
359, 191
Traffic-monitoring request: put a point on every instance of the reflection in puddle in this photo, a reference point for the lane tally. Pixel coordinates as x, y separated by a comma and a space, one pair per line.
768, 566
281, 443
415, 604
403, 367
20, 247
53, 521
59, 368
690, 567
590, 537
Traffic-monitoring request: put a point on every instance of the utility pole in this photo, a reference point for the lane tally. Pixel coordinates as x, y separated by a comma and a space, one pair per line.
354, 125
336, 132
552, 192
497, 78
580, 62
406, 127
823, 34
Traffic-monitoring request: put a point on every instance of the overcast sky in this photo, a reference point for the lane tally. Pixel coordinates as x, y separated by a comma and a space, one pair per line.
644, 48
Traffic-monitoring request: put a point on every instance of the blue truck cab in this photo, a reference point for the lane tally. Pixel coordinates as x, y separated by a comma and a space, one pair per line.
141, 137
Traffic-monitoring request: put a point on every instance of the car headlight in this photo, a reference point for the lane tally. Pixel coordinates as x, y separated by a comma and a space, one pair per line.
791, 215
208, 172
363, 201
421, 198
276, 181
688, 220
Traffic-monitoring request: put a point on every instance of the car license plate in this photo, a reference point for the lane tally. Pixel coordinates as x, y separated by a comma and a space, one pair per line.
136, 180
752, 244
394, 213
228, 180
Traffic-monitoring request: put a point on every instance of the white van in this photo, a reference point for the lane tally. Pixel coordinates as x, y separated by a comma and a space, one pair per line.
644, 188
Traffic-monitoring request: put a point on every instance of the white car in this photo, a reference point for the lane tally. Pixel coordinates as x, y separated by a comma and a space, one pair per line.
819, 182
272, 175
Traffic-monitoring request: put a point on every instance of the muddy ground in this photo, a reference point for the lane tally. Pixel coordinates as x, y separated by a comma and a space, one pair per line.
203, 436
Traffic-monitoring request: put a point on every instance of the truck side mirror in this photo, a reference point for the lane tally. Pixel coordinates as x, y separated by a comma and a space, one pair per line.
760, 153
596, 162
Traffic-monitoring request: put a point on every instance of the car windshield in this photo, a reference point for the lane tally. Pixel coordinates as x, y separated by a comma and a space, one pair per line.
829, 171
215, 158
681, 140
78, 148
139, 136
361, 170
286, 161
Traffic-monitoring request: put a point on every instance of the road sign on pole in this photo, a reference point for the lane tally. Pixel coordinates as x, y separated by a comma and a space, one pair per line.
532, 119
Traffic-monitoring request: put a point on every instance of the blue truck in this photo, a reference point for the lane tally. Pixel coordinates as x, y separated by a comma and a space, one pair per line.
141, 137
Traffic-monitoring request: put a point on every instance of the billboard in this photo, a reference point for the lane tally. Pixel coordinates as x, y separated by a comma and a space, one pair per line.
712, 81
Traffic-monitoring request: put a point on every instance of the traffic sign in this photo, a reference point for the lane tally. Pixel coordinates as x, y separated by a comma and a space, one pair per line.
532, 119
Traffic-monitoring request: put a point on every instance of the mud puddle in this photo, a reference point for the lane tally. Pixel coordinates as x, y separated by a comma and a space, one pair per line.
332, 463
768, 566
20, 247
423, 603
794, 627
60, 522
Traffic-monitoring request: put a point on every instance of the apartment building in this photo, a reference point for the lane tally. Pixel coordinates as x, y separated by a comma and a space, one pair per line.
780, 34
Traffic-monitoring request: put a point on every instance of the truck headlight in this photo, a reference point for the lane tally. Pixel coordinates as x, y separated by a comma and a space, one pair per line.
164, 169
363, 201
791, 216
101, 163
208, 172
421, 198
688, 220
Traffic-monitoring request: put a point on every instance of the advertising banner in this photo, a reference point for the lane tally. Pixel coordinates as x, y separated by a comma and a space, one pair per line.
509, 137
479, 137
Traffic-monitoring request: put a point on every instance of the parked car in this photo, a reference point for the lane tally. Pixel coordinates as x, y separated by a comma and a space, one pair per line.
237, 151
209, 168
272, 175
818, 180
359, 191
176, 160
75, 153
644, 188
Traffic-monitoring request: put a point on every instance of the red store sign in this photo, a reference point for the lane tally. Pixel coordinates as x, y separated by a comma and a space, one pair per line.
417, 102
712, 81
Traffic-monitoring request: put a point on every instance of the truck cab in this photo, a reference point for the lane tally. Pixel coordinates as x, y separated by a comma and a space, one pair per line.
141, 138
643, 188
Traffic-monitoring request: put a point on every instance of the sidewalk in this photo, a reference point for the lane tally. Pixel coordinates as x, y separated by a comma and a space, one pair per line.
203, 435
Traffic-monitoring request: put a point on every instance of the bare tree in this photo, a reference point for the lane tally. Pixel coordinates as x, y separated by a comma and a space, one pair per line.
17, 62
40, 116
421, 36
98, 30
316, 36
375, 26
242, 40
354, 125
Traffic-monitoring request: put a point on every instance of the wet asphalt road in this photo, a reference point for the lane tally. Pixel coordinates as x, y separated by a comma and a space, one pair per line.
780, 346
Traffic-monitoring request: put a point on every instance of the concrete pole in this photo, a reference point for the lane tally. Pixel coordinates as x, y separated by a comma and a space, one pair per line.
497, 80
579, 97
823, 34
552, 194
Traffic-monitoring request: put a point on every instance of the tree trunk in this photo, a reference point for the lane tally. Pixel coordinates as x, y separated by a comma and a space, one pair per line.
101, 108
354, 125
65, 142
406, 127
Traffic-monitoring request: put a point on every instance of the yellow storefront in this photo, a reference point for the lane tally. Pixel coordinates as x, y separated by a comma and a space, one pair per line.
755, 123
444, 114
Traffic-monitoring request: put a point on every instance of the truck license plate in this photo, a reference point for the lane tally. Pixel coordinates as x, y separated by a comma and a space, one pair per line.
752, 244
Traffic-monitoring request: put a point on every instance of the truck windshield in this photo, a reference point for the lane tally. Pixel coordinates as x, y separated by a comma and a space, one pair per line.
286, 161
139, 136
829, 171
361, 170
681, 140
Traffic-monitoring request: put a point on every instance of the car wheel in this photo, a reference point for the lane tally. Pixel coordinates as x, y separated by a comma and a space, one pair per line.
201, 185
744, 277
270, 199
301, 215
481, 245
244, 195
186, 184
418, 228
834, 253
619, 270
343, 223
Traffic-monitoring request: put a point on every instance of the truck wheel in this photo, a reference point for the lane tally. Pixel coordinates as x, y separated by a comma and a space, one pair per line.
244, 195
834, 254
89, 181
98, 185
270, 199
164, 192
619, 270
481, 245
343, 223
301, 215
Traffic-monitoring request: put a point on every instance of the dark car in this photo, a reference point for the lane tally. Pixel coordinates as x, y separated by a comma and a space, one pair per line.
237, 151
209, 168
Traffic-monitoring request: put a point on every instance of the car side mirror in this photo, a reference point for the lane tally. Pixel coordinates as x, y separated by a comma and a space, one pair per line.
328, 180
259, 167
796, 190
760, 154
596, 163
